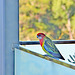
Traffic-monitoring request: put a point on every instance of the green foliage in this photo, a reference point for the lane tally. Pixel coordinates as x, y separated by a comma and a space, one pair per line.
55, 18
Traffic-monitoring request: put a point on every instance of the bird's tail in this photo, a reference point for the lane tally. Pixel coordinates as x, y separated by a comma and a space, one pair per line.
62, 57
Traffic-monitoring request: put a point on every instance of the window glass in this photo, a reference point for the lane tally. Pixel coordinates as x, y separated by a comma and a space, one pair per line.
55, 18
28, 64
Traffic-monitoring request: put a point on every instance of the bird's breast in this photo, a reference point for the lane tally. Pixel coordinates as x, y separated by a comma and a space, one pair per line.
41, 41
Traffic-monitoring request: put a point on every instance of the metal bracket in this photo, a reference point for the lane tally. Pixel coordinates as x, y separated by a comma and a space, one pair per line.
15, 45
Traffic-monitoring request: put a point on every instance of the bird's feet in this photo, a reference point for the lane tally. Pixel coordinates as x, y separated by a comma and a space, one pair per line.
47, 55
51, 57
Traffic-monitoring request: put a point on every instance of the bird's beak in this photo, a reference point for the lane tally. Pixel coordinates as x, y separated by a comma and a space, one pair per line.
37, 36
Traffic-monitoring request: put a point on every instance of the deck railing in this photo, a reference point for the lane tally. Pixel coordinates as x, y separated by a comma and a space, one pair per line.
55, 41
45, 57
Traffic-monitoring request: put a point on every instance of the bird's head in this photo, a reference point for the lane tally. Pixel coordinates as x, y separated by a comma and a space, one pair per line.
40, 35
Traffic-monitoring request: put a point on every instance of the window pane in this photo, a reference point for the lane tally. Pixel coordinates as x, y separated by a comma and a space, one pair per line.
28, 64
55, 18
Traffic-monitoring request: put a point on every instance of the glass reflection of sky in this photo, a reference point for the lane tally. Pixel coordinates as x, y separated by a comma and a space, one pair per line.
65, 50
27, 64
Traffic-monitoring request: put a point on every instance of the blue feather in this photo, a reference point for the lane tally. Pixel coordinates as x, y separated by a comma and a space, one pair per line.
50, 47
51, 52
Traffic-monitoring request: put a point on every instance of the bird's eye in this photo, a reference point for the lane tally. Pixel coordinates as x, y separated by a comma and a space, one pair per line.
39, 35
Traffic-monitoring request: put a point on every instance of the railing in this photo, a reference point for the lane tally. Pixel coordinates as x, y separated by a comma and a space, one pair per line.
45, 57
56, 42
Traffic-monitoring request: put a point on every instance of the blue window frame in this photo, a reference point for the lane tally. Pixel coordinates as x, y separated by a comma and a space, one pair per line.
9, 35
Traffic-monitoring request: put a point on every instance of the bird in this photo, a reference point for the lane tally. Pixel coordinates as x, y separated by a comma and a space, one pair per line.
49, 47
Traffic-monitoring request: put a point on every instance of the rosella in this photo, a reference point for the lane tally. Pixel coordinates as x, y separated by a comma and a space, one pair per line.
49, 47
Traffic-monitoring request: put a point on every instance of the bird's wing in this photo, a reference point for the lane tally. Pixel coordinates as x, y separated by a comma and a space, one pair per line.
50, 47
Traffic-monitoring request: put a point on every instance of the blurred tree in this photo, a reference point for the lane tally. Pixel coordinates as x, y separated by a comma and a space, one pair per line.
64, 11
56, 18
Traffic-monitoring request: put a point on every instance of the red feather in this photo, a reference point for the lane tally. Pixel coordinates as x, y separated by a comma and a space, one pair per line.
41, 34
41, 41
